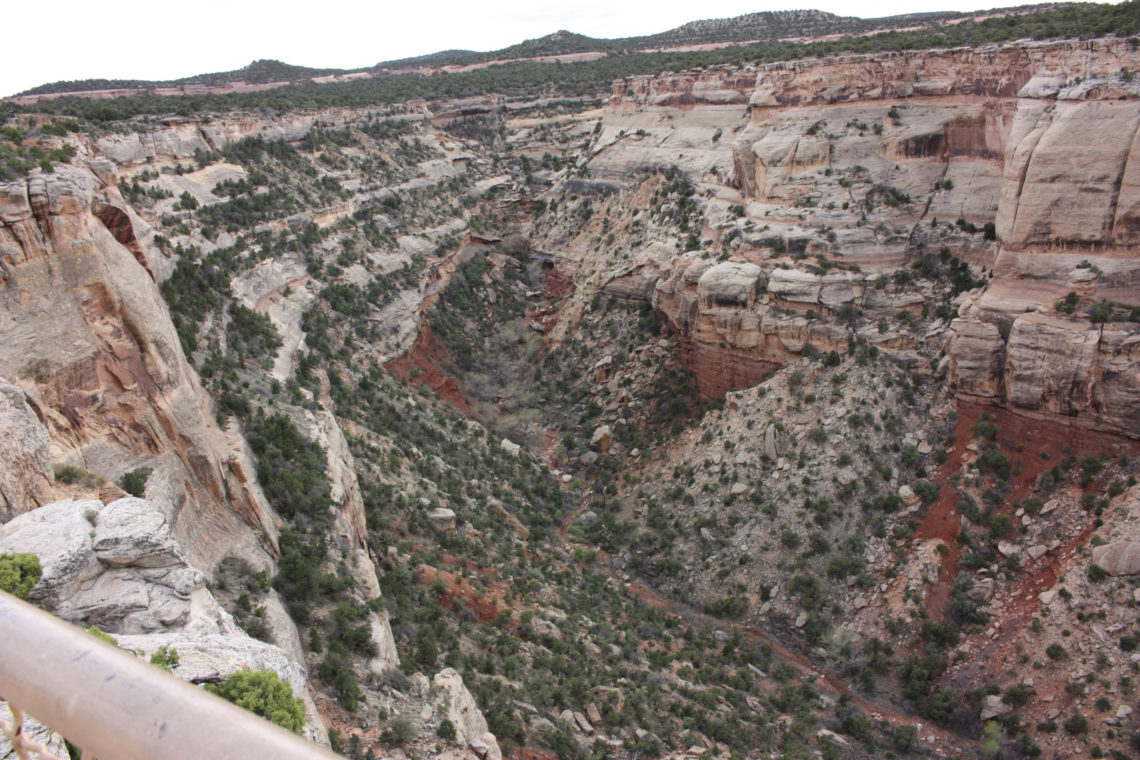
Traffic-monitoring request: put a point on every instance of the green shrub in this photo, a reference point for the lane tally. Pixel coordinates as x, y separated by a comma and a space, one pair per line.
1001, 525
991, 740
1101, 312
134, 482
926, 490
263, 693
165, 657
187, 201
251, 335
446, 730
102, 635
1076, 724
400, 730
336, 670
290, 467
19, 573
65, 473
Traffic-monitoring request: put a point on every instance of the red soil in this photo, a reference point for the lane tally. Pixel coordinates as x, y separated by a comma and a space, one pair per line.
1023, 439
487, 605
422, 365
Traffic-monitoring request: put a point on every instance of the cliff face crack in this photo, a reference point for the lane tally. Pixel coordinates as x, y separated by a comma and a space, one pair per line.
1041, 123
206, 138
1123, 230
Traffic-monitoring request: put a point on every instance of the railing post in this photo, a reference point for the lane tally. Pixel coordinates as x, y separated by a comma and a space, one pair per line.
117, 707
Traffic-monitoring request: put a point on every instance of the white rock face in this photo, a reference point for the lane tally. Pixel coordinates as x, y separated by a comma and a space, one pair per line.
730, 284
131, 532
1119, 558
118, 567
460, 708
771, 450
387, 658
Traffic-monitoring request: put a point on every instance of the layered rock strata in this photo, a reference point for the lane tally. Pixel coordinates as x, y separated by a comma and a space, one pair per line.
872, 161
86, 335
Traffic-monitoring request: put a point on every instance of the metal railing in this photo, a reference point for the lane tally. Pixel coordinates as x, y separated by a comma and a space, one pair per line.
118, 707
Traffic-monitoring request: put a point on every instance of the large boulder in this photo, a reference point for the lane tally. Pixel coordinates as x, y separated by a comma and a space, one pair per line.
730, 284
130, 532
1119, 558
994, 707
115, 566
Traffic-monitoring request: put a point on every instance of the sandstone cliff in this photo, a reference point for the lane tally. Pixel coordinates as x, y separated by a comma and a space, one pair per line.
86, 335
873, 162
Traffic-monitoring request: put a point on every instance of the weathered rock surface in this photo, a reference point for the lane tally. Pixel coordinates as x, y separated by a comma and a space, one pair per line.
1050, 364
115, 566
106, 371
387, 657
118, 567
461, 710
26, 474
1119, 558
730, 284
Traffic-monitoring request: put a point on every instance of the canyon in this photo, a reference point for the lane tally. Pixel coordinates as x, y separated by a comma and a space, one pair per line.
736, 409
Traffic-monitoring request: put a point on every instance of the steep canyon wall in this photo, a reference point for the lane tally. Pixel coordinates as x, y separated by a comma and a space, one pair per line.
87, 336
872, 162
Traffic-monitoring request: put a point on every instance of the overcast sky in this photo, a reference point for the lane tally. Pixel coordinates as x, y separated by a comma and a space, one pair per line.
133, 39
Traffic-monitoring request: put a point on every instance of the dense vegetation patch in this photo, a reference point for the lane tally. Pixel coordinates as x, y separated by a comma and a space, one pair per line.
263, 693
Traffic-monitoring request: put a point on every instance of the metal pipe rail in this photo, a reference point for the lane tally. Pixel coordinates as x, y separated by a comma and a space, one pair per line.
118, 707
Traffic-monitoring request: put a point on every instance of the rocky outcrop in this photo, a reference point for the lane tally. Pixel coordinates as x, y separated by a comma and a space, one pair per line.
460, 708
387, 657
1053, 365
1119, 558
87, 336
978, 351
119, 567
26, 475
734, 320
115, 566
729, 284
869, 160
1043, 69
178, 137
